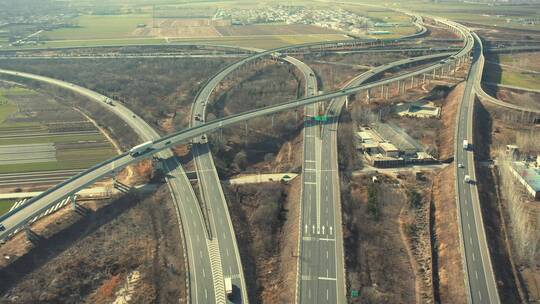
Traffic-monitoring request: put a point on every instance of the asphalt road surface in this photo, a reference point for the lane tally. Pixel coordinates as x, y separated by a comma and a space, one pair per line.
40, 204
323, 277
478, 268
222, 231
201, 283
318, 267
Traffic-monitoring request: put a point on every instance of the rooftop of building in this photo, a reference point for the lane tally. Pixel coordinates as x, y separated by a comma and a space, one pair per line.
529, 173
388, 147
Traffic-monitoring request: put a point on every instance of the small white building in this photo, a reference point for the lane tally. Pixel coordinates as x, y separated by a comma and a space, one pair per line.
389, 150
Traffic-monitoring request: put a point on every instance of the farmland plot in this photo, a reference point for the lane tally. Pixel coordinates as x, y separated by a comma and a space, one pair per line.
38, 134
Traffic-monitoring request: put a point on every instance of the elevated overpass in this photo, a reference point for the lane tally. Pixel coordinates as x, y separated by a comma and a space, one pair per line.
38, 205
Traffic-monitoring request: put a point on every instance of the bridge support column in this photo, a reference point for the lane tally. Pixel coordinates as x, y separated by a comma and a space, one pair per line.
412, 82
272, 121
398, 84
423, 78
403, 87
246, 126
434, 74
30, 235
73, 200
368, 95
382, 91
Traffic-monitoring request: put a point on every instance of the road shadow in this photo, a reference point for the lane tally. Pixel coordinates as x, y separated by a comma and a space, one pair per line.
491, 212
48, 248
492, 73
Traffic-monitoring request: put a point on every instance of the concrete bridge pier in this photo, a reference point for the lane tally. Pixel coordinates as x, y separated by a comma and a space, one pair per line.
434, 74
246, 126
368, 95
423, 78
382, 91
73, 200
30, 235
412, 82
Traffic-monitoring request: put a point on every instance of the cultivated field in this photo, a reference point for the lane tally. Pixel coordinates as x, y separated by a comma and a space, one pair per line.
265, 42
378, 14
180, 28
522, 70
39, 134
99, 27
127, 29
5, 205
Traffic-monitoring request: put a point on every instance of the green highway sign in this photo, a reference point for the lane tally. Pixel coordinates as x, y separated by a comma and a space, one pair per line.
321, 118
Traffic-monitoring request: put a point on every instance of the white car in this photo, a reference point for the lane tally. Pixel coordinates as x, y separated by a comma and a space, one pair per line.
461, 166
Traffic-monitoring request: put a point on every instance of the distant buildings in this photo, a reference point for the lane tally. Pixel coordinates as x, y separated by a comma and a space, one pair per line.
385, 147
419, 109
336, 19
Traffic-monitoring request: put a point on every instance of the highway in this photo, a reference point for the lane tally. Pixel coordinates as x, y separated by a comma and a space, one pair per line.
480, 278
214, 202
485, 96
210, 186
316, 278
249, 51
87, 177
213, 198
38, 205
181, 191
322, 256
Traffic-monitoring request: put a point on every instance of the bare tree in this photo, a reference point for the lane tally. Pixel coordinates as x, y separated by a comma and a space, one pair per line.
524, 221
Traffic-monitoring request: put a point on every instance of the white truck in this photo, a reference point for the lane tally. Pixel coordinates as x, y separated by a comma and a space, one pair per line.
467, 179
465, 144
229, 288
141, 149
